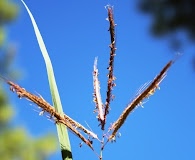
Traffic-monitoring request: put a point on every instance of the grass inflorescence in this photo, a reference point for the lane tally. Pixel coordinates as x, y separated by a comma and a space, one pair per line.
60, 118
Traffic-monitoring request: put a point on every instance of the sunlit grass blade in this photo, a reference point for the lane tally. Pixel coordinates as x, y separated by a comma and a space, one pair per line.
62, 131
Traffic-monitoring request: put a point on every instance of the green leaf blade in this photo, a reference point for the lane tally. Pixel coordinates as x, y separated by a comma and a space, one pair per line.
61, 129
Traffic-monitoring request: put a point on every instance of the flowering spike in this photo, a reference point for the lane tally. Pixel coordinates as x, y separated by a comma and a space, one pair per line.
97, 95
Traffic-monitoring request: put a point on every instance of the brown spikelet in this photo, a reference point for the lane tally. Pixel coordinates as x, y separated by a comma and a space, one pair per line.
139, 98
46, 107
79, 126
110, 68
76, 132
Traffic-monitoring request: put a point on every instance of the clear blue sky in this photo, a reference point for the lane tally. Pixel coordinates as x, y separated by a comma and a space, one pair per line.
75, 32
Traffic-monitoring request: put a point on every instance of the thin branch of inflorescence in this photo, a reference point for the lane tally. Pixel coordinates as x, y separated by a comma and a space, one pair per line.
138, 100
111, 77
97, 96
58, 118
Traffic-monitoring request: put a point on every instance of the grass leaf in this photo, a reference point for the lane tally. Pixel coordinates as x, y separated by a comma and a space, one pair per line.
62, 131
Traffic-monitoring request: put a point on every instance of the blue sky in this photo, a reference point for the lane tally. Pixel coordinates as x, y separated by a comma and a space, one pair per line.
75, 32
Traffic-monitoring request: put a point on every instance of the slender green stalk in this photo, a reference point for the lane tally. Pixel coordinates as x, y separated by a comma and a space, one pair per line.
62, 131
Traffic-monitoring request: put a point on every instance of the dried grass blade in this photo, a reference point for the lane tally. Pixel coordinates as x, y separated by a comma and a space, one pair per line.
97, 95
111, 77
139, 98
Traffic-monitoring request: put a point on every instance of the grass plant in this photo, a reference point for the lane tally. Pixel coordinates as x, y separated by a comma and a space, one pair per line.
63, 121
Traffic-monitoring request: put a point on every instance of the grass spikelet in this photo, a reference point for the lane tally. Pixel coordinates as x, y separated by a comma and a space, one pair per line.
77, 133
97, 95
139, 98
78, 125
46, 107
111, 78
